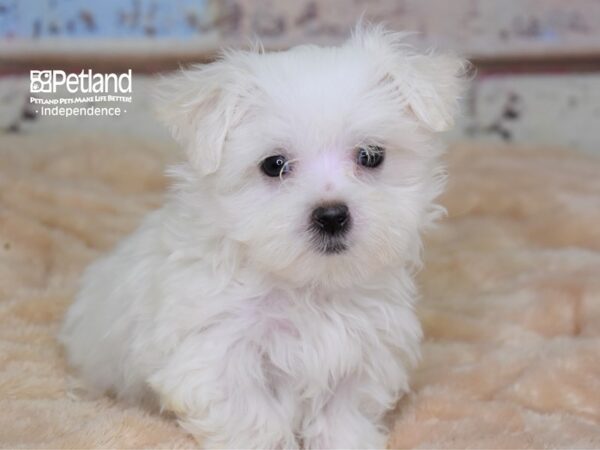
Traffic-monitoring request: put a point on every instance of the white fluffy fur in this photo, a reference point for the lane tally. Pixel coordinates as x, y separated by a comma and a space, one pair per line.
219, 307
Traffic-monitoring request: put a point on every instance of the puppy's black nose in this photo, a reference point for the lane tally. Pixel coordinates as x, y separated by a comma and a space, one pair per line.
332, 219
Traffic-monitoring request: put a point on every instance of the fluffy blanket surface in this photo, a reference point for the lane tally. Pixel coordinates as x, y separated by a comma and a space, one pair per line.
510, 296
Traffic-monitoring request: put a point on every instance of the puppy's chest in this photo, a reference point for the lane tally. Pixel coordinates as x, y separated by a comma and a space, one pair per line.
315, 340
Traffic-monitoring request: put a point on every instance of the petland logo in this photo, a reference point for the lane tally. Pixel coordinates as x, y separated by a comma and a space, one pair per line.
46, 81
95, 88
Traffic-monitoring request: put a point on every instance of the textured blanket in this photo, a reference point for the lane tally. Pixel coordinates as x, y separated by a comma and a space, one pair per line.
510, 296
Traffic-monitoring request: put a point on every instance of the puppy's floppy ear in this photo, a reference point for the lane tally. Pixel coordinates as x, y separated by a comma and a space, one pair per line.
430, 84
434, 84
199, 107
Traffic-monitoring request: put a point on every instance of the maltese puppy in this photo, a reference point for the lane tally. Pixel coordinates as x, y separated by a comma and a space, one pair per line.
269, 302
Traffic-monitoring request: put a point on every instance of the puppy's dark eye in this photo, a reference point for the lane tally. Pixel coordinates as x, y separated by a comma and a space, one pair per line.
370, 156
275, 166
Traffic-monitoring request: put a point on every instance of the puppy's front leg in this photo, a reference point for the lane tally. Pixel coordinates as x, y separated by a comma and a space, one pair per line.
346, 421
218, 388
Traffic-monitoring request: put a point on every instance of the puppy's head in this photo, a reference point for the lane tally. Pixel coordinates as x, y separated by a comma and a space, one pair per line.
320, 162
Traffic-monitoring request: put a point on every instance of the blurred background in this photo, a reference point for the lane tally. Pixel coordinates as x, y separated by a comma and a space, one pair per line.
537, 61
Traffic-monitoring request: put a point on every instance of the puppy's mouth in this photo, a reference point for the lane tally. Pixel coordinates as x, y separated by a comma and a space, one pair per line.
326, 243
330, 245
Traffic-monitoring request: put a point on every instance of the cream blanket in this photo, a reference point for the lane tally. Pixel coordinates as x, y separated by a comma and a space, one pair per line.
510, 308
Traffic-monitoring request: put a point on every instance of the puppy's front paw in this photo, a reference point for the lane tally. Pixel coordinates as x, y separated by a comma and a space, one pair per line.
344, 432
246, 436
207, 399
372, 439
236, 424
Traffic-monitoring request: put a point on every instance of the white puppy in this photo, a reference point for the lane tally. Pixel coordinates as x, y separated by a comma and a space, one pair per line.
269, 303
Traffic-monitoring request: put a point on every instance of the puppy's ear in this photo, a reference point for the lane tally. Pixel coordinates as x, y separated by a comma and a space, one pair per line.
199, 105
433, 86
429, 84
